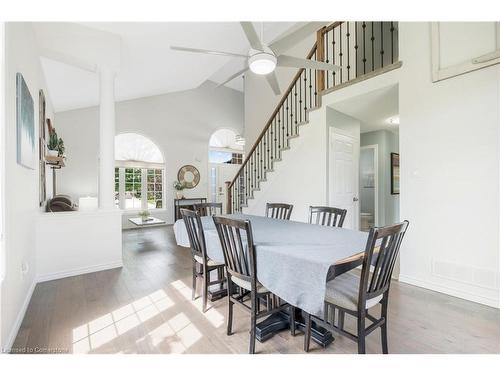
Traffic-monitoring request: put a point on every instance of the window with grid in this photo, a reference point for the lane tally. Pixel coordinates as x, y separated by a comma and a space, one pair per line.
155, 188
133, 188
117, 187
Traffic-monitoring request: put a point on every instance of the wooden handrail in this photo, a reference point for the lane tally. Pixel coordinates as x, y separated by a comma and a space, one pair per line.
273, 115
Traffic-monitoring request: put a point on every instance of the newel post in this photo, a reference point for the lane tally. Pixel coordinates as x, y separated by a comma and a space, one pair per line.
320, 56
229, 198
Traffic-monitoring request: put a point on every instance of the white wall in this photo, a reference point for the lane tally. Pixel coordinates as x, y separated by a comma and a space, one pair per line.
85, 242
300, 178
179, 123
21, 189
449, 142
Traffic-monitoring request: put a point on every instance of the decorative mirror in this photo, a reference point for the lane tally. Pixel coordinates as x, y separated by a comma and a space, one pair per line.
189, 176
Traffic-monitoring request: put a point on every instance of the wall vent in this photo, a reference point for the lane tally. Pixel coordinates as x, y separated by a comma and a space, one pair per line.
479, 277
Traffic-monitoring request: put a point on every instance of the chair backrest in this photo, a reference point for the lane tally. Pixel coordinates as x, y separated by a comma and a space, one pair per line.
328, 216
237, 245
279, 210
194, 229
208, 209
381, 252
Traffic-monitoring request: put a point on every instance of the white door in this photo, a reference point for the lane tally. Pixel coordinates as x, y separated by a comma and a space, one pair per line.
344, 175
219, 174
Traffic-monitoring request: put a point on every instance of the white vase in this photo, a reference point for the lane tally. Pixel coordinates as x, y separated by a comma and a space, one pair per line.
52, 152
179, 194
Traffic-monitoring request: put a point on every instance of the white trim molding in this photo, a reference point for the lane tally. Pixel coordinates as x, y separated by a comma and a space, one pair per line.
19, 319
78, 271
484, 300
440, 73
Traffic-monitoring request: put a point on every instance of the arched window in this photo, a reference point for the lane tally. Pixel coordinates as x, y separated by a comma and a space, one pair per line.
139, 173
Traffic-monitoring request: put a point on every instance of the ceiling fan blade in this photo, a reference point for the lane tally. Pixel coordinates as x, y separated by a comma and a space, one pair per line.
272, 79
295, 62
237, 74
286, 42
207, 51
252, 36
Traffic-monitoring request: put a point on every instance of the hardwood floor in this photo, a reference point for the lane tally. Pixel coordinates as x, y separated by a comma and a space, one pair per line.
146, 307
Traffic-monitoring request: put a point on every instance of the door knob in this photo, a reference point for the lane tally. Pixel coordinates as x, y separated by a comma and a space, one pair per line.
355, 199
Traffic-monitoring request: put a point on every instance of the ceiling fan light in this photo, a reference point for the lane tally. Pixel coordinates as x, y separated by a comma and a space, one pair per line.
262, 63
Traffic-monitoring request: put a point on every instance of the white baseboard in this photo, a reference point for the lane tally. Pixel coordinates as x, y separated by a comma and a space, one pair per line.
19, 319
451, 291
78, 271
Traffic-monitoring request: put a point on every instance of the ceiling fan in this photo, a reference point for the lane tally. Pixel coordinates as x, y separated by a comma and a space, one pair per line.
262, 59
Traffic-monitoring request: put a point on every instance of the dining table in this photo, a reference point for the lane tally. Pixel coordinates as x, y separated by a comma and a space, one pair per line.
295, 260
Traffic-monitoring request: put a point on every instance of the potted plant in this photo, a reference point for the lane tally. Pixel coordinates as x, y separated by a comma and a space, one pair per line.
60, 147
53, 145
179, 187
144, 215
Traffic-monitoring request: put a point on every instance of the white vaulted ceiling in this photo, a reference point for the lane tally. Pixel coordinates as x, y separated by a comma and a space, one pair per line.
149, 67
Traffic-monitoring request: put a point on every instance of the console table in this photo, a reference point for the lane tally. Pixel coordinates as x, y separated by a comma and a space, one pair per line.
185, 203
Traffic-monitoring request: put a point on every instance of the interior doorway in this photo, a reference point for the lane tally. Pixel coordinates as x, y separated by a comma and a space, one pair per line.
368, 187
225, 157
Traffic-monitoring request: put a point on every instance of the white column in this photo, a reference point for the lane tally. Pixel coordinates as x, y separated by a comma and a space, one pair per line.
106, 139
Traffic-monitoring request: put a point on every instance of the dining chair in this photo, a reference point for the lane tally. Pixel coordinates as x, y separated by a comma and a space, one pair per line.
355, 295
202, 265
279, 210
208, 208
236, 239
327, 216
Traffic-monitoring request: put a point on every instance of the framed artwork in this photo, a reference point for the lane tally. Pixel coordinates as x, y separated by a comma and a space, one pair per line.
41, 145
189, 176
25, 124
394, 173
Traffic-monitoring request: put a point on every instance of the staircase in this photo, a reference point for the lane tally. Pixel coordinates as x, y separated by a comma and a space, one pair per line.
361, 49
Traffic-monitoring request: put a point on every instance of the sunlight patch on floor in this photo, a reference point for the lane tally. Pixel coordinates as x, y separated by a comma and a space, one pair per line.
212, 315
108, 327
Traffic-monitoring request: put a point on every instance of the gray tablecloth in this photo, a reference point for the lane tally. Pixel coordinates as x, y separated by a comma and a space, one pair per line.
293, 258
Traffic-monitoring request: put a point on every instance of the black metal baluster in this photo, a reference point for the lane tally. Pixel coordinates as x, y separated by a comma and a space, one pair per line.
333, 54
327, 59
300, 95
373, 49
287, 119
310, 89
278, 156
275, 141
305, 92
283, 120
364, 47
340, 55
257, 161
392, 42
356, 46
348, 34
295, 111
381, 44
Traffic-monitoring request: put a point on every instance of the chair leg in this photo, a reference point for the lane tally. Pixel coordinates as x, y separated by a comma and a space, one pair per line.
229, 308
220, 275
383, 328
292, 320
253, 323
307, 336
193, 294
206, 280
341, 319
361, 334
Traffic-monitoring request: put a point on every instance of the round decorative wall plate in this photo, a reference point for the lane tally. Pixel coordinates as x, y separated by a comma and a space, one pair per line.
189, 176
